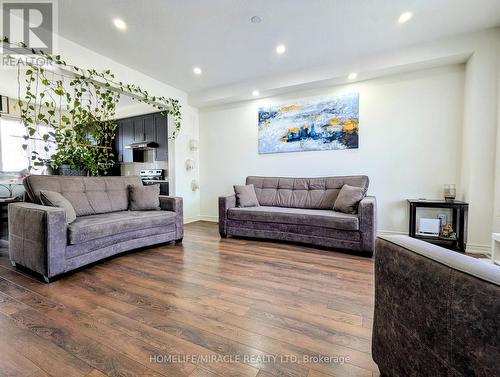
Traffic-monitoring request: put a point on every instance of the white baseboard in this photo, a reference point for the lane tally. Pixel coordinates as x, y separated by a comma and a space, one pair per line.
213, 219
193, 219
478, 249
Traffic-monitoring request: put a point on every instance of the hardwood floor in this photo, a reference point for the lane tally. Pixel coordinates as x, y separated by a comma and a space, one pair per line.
226, 307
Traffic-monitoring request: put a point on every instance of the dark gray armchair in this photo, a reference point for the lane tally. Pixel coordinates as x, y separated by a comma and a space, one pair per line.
437, 312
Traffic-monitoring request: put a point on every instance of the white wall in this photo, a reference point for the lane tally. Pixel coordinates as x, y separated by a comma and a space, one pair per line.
480, 142
496, 212
410, 142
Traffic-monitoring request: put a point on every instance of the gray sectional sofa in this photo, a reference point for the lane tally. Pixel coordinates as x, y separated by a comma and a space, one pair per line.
301, 210
437, 312
41, 240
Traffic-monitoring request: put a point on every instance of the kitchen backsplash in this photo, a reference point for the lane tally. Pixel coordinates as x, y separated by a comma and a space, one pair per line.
133, 168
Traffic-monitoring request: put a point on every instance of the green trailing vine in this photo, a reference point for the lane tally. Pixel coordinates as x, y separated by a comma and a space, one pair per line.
76, 123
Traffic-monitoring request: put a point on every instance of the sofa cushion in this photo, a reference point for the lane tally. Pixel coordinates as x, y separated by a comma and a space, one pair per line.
92, 227
348, 199
298, 216
55, 199
87, 195
245, 196
144, 198
115, 241
313, 193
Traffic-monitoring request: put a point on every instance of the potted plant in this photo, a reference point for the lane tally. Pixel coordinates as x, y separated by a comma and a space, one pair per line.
84, 149
69, 161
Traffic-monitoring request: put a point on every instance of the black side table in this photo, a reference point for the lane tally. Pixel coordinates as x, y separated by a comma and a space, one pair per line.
4, 216
459, 222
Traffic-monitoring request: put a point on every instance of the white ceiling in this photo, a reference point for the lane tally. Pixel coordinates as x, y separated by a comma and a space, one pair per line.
165, 39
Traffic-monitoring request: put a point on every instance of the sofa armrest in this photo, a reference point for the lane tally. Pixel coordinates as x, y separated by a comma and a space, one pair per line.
225, 203
38, 237
174, 204
436, 311
367, 212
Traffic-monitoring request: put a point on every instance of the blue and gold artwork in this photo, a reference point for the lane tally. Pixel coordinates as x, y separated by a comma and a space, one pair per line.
325, 124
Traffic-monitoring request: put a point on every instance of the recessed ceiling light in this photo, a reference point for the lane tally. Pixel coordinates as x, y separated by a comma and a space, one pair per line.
120, 24
280, 49
405, 17
197, 70
352, 76
255, 93
256, 20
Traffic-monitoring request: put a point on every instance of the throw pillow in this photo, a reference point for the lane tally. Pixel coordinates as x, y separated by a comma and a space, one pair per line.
144, 198
348, 199
55, 199
245, 196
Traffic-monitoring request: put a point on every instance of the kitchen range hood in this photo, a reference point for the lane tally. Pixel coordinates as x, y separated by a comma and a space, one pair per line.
143, 145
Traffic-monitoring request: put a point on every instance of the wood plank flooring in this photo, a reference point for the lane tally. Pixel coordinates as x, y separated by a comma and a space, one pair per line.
228, 307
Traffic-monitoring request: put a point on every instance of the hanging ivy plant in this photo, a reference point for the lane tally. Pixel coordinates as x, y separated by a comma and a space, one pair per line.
77, 122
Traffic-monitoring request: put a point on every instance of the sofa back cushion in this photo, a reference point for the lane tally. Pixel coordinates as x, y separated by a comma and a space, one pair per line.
313, 193
87, 195
55, 199
144, 198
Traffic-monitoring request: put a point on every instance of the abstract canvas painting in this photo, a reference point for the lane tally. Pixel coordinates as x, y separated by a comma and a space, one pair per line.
315, 125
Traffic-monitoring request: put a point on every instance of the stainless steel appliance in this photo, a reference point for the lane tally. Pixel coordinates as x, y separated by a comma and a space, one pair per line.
140, 150
143, 145
155, 177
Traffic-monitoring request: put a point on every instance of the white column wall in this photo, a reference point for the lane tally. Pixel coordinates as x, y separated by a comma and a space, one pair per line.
480, 141
496, 214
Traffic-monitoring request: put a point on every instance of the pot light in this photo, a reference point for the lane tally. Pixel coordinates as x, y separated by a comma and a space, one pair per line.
280, 49
255, 93
352, 76
120, 24
405, 17
197, 70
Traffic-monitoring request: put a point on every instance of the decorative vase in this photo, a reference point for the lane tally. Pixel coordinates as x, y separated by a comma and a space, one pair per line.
450, 192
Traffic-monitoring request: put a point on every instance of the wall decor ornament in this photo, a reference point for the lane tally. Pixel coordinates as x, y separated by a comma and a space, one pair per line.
324, 124
74, 118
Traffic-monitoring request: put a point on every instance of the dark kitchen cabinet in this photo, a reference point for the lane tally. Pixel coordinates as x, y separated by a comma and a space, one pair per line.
144, 128
138, 129
118, 143
126, 132
151, 127
161, 129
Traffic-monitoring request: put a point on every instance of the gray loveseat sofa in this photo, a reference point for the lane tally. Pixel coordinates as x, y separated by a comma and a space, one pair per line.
41, 240
437, 312
301, 210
